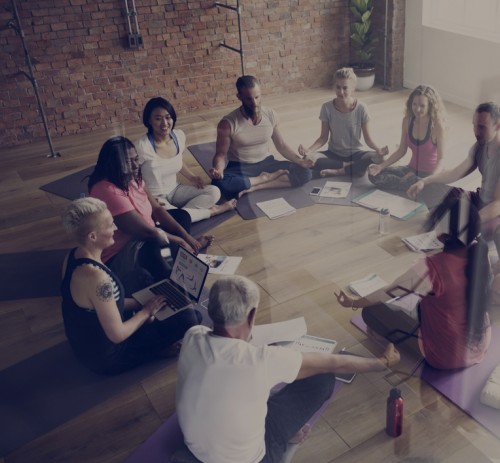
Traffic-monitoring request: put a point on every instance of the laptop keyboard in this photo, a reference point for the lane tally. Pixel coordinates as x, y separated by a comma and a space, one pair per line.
175, 299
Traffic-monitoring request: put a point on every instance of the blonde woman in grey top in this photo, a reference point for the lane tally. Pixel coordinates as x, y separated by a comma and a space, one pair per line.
344, 120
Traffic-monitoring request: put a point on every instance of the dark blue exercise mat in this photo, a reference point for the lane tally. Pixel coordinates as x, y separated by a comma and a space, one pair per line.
72, 186
31, 274
52, 387
247, 207
203, 153
247, 204
203, 226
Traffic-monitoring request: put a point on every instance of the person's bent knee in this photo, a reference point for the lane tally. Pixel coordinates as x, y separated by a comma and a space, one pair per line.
299, 175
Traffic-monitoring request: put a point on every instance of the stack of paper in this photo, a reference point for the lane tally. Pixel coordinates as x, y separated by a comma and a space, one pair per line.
275, 208
399, 207
423, 243
367, 285
308, 343
335, 189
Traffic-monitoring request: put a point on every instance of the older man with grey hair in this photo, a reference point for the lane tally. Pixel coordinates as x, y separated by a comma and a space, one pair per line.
224, 402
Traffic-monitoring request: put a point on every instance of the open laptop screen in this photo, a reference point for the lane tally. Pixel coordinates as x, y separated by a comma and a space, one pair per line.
189, 273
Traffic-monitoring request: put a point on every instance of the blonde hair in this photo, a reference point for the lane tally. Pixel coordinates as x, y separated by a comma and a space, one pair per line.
437, 111
345, 73
79, 217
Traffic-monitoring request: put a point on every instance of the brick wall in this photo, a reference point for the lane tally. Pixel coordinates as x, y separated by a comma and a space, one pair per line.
89, 79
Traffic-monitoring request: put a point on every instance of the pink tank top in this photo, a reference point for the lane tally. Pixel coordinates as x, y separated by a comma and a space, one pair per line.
424, 152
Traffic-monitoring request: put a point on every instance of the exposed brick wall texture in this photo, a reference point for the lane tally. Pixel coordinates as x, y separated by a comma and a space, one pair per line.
89, 79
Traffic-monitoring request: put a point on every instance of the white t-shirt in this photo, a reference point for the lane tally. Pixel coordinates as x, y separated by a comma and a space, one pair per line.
222, 392
345, 128
160, 174
250, 143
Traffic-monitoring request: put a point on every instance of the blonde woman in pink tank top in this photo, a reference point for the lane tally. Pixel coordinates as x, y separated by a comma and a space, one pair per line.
423, 133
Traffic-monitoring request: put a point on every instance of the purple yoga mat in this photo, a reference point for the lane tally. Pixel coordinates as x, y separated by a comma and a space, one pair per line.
168, 438
247, 207
71, 186
463, 387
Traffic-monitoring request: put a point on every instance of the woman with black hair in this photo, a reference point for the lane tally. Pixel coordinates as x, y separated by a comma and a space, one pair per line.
160, 154
144, 227
453, 325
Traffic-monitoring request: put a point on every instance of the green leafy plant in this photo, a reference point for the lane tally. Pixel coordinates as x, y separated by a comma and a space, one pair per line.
362, 40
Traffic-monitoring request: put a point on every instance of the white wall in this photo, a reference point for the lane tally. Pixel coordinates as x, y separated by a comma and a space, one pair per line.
465, 70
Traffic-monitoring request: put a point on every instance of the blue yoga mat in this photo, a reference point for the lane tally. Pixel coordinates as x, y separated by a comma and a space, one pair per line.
247, 207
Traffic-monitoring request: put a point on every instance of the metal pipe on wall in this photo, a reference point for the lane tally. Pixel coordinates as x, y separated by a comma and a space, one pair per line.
31, 76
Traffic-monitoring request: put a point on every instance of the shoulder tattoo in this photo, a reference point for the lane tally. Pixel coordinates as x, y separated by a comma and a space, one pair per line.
104, 290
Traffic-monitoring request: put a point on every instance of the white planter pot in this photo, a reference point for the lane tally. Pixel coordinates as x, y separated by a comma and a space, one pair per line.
366, 78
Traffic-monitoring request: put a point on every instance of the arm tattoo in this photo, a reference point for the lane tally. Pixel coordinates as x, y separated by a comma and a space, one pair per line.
104, 291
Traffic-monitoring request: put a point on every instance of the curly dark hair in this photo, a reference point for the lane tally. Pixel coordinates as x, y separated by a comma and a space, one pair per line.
113, 164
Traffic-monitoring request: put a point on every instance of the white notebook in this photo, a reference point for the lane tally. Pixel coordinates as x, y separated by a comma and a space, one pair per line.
275, 208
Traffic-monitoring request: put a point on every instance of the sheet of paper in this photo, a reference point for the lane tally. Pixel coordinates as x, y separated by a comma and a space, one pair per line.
399, 207
275, 208
367, 285
308, 343
220, 265
423, 242
335, 189
407, 304
270, 333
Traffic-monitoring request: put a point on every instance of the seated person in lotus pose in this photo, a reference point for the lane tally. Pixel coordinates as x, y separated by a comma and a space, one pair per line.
224, 405
108, 332
484, 155
144, 227
243, 137
160, 154
454, 329
343, 120
423, 133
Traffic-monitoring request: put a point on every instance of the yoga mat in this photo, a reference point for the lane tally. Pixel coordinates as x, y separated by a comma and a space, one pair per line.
52, 387
31, 274
70, 187
463, 387
203, 226
168, 438
247, 208
48, 389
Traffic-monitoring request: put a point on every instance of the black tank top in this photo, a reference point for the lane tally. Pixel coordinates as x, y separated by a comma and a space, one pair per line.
83, 329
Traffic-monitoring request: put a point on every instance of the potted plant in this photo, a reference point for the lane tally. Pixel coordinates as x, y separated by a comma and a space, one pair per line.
362, 42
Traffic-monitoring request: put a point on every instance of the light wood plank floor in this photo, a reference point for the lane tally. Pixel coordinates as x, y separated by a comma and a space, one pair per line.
296, 260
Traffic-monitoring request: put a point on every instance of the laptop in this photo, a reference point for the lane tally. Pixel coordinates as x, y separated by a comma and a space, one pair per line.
182, 289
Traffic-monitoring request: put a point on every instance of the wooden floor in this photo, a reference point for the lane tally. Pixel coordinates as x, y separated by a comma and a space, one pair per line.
297, 261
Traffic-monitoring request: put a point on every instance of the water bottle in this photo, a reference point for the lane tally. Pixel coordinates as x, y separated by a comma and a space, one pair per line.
383, 221
394, 418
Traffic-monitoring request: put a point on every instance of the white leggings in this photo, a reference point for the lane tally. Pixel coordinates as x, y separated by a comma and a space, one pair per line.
195, 201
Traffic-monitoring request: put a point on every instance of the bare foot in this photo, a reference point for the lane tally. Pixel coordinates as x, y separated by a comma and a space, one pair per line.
205, 241
331, 172
224, 207
301, 435
265, 177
